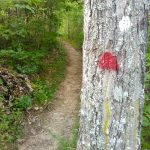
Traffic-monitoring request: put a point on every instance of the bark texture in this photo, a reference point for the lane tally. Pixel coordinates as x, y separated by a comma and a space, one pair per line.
112, 101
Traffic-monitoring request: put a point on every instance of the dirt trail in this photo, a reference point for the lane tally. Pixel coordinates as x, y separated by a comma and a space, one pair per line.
58, 122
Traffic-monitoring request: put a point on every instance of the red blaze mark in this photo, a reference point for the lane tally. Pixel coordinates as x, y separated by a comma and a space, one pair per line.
108, 61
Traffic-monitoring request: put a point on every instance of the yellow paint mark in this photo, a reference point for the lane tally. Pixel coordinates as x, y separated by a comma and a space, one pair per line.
106, 106
136, 117
106, 120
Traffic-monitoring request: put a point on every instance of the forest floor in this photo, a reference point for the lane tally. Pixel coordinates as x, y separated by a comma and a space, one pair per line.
53, 124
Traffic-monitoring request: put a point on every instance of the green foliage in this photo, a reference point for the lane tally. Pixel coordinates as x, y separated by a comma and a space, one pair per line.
42, 92
146, 112
28, 34
28, 23
23, 103
72, 22
10, 127
11, 120
1, 81
26, 62
45, 88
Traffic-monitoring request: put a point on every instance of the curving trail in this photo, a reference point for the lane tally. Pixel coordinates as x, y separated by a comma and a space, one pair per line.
57, 122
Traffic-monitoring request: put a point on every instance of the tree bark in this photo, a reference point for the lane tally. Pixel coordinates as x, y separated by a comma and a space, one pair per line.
112, 101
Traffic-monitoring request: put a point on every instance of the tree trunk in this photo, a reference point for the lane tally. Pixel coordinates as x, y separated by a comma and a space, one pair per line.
112, 99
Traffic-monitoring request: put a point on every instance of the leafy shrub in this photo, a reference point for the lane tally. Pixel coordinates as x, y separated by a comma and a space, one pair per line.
45, 87
146, 111
26, 62
42, 92
145, 130
10, 126
29, 24
11, 122
23, 103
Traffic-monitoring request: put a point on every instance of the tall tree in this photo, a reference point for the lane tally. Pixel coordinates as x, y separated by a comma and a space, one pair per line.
115, 41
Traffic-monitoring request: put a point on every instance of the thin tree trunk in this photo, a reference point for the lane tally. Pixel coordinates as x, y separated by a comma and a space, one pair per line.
112, 101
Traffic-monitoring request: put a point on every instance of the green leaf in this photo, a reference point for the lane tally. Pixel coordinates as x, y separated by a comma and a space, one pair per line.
1, 81
147, 109
24, 102
146, 122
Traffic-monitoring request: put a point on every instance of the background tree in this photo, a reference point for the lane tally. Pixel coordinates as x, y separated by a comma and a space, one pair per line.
72, 22
113, 96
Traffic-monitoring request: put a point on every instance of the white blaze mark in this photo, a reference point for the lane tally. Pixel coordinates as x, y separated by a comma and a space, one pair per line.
125, 94
118, 93
125, 23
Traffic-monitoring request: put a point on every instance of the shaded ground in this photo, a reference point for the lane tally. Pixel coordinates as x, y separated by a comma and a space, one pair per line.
56, 122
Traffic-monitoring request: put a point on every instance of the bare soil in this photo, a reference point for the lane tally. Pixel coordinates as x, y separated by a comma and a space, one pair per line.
46, 127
